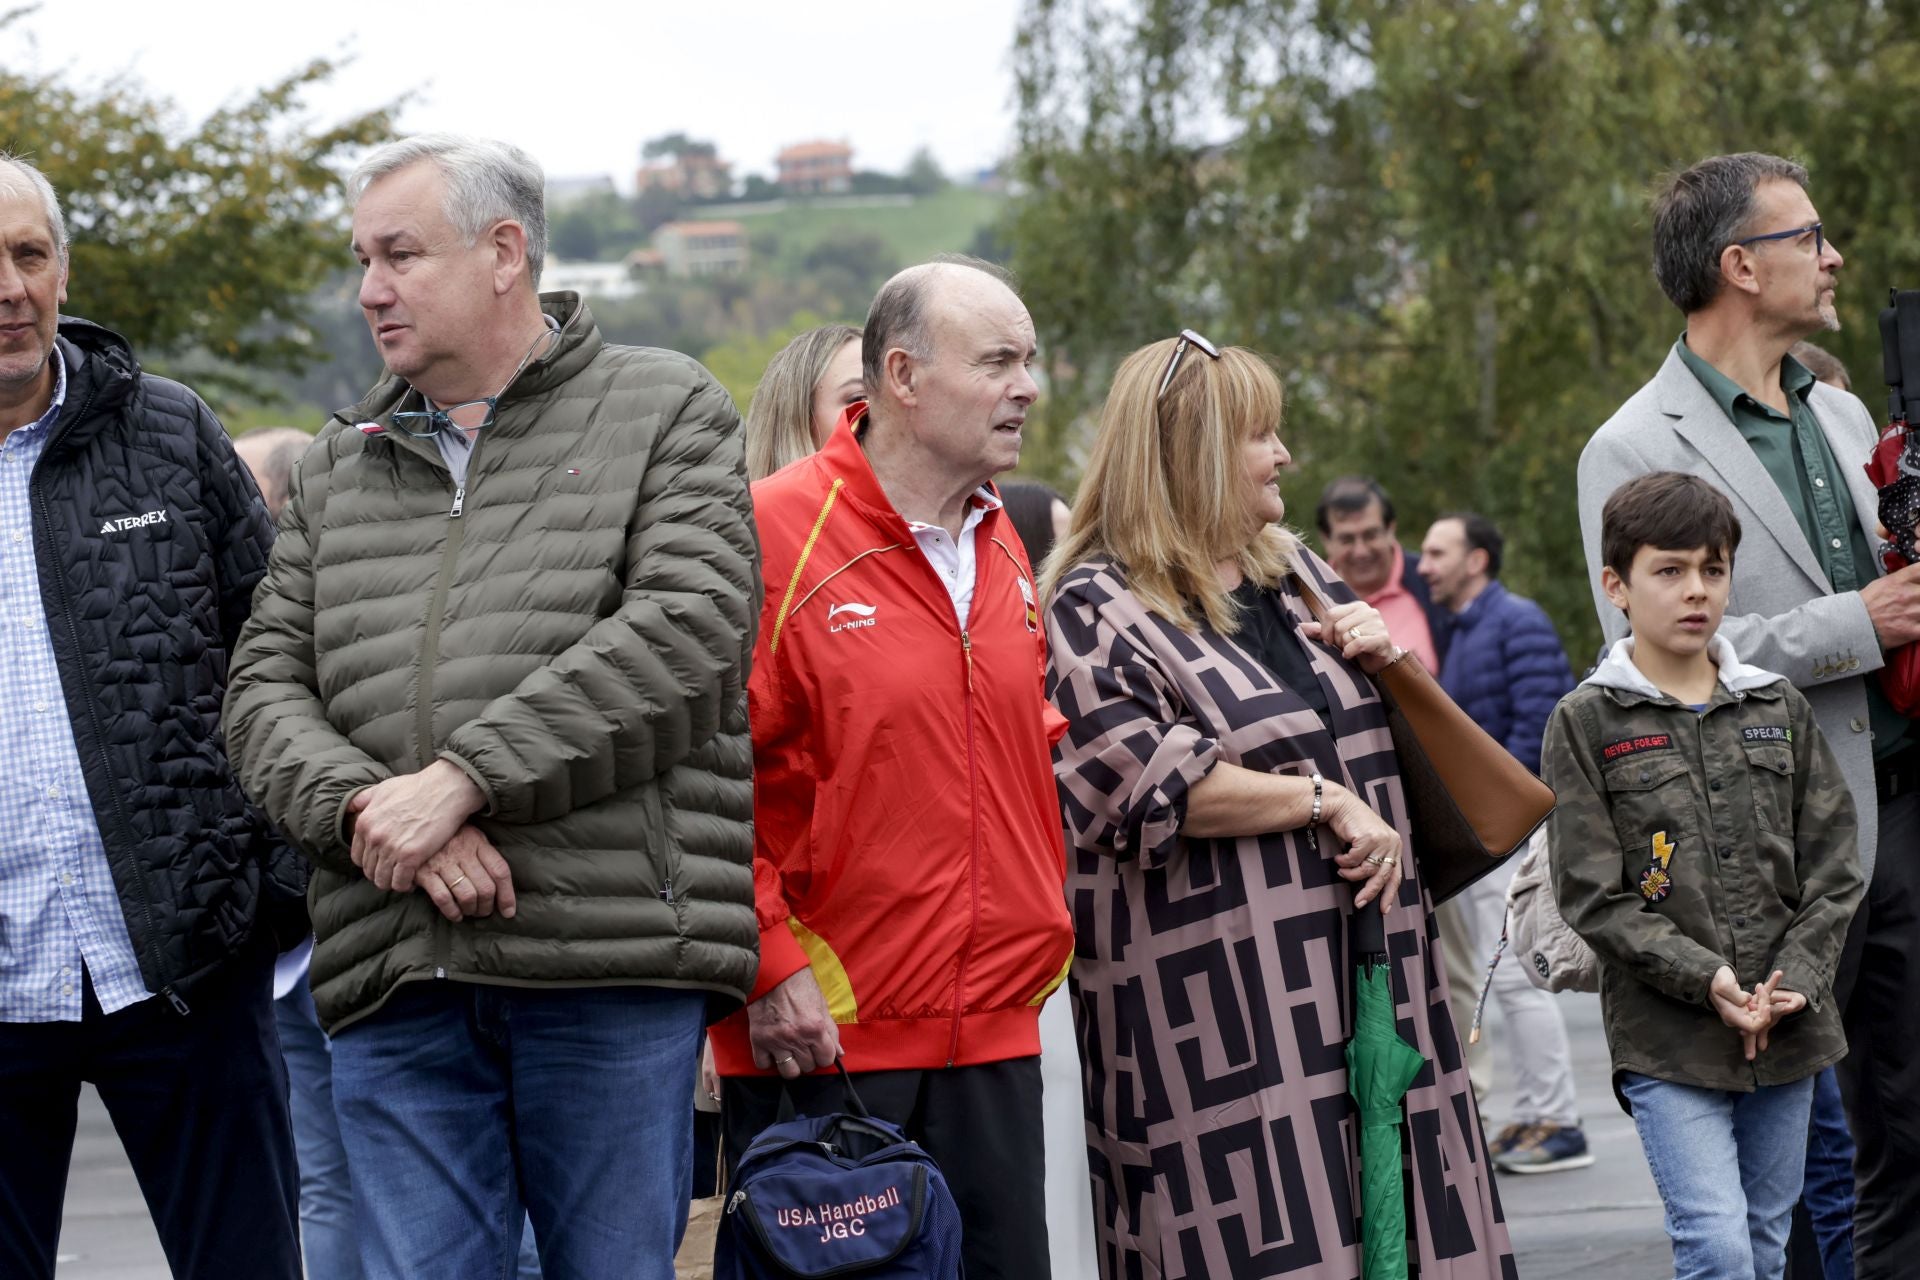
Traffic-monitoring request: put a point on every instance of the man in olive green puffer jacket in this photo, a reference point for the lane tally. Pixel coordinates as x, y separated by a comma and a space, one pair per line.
494, 688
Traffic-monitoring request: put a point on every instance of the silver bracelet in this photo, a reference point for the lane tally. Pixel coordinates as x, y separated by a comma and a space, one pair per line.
1313, 820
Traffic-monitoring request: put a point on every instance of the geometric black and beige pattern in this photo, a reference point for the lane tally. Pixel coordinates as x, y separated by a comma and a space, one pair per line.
1211, 984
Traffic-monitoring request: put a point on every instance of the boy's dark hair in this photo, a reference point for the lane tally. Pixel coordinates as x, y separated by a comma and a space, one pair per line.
1482, 535
1348, 495
1667, 510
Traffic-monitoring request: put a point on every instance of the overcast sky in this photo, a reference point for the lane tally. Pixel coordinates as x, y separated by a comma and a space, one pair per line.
581, 83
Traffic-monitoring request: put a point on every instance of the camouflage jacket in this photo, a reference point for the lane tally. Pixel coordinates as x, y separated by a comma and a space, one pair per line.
1686, 840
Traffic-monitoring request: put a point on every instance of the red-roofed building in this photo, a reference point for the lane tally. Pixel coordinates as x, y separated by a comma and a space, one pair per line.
696, 174
815, 168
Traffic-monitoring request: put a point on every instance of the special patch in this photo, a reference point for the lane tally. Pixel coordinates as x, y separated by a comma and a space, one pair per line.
1767, 733
1634, 746
1657, 880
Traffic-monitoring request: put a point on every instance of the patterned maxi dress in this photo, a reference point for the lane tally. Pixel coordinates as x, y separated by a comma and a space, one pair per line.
1212, 979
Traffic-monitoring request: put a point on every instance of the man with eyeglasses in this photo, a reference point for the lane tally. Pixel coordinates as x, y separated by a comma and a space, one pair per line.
1740, 249
493, 688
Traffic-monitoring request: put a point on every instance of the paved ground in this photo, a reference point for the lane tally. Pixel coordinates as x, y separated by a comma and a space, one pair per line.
1601, 1223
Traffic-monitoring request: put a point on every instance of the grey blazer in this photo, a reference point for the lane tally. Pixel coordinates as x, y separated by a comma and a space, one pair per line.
1783, 614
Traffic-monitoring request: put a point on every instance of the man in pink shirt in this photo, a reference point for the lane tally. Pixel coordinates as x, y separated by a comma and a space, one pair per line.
1357, 528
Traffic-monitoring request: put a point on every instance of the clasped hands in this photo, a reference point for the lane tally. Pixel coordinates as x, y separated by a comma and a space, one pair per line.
411, 832
1753, 1013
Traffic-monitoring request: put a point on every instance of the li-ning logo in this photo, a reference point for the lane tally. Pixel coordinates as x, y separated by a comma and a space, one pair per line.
120, 524
855, 615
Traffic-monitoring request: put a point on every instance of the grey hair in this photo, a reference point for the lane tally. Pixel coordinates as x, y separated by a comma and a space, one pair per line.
18, 177
898, 317
1698, 213
487, 182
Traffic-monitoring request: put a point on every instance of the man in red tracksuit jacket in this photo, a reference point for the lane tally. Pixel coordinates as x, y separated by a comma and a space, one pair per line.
909, 871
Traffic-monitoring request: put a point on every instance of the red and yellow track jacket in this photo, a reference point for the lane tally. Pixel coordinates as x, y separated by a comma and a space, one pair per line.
907, 834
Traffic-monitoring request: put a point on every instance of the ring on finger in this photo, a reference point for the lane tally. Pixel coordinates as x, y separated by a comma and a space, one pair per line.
1374, 859
1389, 860
455, 884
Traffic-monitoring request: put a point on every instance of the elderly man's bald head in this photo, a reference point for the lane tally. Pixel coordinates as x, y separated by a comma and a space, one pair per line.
899, 317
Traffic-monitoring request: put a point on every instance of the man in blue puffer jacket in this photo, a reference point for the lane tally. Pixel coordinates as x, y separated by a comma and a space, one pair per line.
1506, 669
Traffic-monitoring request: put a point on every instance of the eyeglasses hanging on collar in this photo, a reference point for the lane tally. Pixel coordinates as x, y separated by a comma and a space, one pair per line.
467, 415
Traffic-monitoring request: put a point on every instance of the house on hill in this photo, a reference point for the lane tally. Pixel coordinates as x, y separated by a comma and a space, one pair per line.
701, 248
696, 173
815, 168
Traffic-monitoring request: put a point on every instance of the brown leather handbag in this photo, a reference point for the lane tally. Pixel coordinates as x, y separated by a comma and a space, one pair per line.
1470, 804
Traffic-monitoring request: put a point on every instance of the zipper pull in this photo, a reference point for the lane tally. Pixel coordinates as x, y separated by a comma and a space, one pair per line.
966, 647
459, 501
439, 971
734, 1202
173, 998
666, 891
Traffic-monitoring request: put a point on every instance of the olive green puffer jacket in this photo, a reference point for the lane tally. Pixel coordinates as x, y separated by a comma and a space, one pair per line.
574, 632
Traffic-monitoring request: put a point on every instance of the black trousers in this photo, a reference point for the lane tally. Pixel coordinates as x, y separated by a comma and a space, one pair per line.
980, 1124
199, 1102
1880, 1078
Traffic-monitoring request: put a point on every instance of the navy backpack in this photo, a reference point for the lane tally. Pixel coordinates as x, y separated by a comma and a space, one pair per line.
839, 1195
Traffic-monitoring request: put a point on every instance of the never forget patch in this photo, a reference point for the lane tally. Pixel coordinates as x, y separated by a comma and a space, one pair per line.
1767, 733
1634, 746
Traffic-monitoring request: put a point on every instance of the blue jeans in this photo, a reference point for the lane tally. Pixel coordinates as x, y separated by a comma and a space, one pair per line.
1828, 1194
1722, 1228
327, 1237
467, 1108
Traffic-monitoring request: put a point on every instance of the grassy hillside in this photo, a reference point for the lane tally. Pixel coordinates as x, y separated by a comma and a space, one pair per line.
945, 222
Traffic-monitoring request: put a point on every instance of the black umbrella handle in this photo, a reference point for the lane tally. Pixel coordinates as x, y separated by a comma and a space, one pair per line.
1369, 934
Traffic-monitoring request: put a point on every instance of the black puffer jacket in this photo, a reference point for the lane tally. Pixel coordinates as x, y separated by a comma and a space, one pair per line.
150, 537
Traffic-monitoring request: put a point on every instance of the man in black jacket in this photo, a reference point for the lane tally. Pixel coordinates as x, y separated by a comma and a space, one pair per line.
135, 880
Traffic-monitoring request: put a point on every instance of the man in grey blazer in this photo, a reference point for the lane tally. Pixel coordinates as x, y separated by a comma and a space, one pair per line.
1739, 248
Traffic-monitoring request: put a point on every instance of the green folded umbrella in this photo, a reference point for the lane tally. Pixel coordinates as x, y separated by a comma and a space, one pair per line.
1380, 1067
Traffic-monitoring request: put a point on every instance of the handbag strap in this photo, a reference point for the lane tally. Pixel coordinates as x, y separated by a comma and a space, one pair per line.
1316, 605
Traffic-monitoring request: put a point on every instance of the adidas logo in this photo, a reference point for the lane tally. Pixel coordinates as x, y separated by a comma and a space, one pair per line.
120, 524
850, 616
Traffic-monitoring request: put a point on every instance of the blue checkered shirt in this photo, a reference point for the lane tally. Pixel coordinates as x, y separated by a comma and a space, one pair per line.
59, 909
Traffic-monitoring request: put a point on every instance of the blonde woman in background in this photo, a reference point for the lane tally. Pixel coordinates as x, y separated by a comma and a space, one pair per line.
800, 397
1232, 800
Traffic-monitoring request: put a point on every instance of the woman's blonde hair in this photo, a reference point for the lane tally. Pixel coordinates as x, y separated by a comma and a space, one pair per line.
1165, 492
780, 416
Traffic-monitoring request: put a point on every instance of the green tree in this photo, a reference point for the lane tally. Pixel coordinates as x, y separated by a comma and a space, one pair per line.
923, 175
739, 361
1432, 214
200, 246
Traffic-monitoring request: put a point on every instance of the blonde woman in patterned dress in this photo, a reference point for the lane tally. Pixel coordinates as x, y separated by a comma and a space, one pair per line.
1210, 986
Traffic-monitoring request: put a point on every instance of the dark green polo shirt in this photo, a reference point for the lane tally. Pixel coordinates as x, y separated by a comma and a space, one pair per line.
1795, 452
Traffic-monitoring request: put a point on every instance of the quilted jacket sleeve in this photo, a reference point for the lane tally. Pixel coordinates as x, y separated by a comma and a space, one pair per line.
290, 758
653, 681
243, 543
1534, 667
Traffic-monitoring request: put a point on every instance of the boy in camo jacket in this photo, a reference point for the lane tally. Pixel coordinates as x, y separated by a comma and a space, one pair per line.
1704, 846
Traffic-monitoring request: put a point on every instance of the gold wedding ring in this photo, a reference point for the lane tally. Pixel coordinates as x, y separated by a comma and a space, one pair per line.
455, 884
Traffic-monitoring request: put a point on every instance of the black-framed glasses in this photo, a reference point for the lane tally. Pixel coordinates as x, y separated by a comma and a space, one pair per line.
1793, 233
1188, 338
